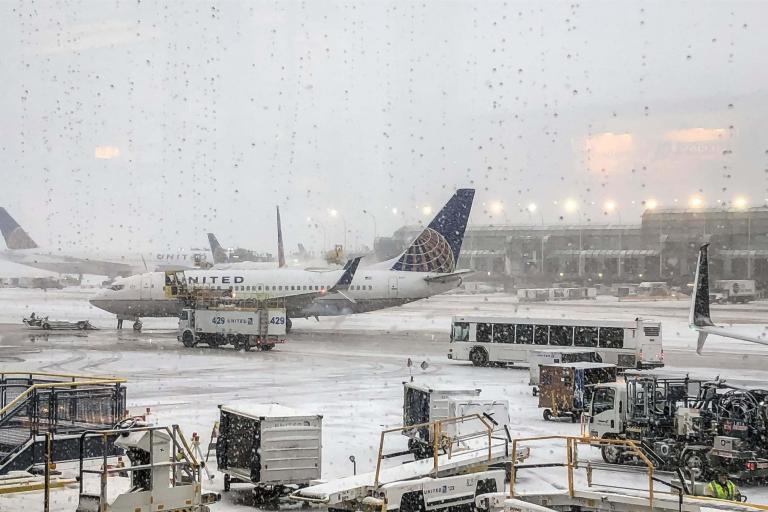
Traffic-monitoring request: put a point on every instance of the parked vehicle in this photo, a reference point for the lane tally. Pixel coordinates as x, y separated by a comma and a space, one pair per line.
510, 341
425, 404
275, 448
243, 327
565, 389
736, 290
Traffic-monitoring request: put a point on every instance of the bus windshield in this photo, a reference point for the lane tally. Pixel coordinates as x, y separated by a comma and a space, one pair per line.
460, 331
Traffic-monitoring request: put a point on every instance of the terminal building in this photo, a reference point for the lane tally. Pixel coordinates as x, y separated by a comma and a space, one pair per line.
663, 247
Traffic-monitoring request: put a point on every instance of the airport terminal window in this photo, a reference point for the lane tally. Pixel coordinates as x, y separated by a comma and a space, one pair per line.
524, 334
483, 334
612, 337
586, 337
460, 331
561, 335
503, 333
541, 335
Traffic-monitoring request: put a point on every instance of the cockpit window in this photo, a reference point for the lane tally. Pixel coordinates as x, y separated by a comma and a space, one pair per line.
117, 287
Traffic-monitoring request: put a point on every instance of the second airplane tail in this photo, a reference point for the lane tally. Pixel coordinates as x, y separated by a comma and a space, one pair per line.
219, 254
15, 237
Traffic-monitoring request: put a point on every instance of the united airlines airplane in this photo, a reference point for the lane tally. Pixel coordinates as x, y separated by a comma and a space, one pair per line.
427, 267
23, 250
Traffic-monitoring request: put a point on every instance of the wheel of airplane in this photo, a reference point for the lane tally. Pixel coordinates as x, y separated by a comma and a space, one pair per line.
137, 326
288, 325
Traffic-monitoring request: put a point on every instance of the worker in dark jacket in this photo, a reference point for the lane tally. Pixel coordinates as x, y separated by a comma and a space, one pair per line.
723, 488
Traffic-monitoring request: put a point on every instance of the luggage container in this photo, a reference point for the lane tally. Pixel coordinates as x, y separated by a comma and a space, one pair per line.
426, 404
565, 389
538, 358
275, 448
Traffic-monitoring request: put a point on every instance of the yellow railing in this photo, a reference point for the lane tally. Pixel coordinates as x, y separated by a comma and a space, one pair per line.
437, 435
86, 381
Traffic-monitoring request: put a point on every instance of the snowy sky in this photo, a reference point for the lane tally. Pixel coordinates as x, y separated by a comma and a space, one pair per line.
141, 124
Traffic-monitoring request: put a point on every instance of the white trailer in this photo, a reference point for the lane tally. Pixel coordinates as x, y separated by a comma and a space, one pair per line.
244, 328
425, 404
275, 448
736, 290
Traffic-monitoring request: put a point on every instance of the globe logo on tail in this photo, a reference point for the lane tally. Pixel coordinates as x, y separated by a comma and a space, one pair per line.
430, 252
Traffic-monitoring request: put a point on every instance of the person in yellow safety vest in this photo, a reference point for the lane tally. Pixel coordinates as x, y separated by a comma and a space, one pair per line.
723, 488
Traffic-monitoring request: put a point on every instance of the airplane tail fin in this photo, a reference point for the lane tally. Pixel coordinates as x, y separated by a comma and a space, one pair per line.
219, 254
437, 248
699, 314
280, 249
15, 237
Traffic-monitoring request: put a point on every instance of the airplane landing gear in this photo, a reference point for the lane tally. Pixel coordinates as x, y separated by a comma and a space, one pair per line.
137, 325
288, 325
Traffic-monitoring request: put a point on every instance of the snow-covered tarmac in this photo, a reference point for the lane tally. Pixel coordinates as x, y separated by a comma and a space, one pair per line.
349, 369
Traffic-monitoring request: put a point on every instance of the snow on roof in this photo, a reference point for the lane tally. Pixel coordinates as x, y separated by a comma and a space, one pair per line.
427, 387
583, 365
257, 410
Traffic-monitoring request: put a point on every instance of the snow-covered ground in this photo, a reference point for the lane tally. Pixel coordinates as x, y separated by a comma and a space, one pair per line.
350, 369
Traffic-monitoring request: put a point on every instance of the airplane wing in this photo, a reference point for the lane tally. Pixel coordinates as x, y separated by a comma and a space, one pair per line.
699, 317
447, 278
297, 302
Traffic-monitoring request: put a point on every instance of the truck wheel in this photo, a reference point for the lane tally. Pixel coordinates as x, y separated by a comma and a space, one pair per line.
188, 339
611, 453
245, 343
547, 415
695, 463
137, 326
288, 325
479, 357
267, 347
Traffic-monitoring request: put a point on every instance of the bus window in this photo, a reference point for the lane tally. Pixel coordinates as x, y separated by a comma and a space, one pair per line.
503, 333
611, 337
561, 335
460, 331
586, 337
483, 334
524, 334
603, 400
541, 335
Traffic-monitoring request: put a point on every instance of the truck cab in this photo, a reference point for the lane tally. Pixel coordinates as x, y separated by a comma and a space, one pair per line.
608, 410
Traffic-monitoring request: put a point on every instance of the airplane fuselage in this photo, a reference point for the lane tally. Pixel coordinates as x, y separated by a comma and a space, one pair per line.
143, 296
108, 265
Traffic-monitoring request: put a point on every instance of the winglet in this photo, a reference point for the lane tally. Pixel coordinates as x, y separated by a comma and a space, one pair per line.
15, 237
700, 341
280, 249
349, 273
219, 254
699, 314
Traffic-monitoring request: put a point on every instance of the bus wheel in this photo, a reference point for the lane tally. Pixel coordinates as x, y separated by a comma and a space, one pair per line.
479, 357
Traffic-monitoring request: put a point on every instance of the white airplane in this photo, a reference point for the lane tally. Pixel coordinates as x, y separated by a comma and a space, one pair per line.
23, 250
427, 267
699, 318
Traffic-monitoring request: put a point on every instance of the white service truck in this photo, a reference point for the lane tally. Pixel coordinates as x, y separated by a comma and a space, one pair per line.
244, 328
735, 290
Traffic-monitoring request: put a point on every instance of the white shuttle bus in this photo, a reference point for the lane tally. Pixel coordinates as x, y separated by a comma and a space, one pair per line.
509, 341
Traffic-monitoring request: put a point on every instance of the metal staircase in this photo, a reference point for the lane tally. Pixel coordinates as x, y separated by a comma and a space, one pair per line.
33, 405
